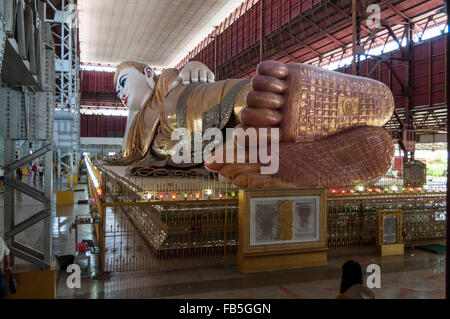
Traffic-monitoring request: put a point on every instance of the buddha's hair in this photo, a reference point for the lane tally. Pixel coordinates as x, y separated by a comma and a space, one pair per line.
140, 67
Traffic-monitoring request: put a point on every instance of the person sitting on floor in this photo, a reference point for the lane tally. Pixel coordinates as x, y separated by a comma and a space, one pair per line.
351, 283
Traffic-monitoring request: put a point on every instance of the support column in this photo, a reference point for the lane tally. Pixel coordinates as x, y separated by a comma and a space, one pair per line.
71, 169
215, 50
356, 38
408, 133
9, 195
48, 187
64, 19
261, 31
447, 71
58, 164
27, 116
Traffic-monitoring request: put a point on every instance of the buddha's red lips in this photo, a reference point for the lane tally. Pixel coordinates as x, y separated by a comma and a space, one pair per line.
125, 101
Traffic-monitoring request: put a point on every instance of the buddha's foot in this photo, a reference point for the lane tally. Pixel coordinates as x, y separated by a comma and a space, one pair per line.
308, 103
348, 158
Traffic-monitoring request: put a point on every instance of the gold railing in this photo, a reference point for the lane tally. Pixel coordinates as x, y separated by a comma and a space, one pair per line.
352, 218
193, 222
167, 224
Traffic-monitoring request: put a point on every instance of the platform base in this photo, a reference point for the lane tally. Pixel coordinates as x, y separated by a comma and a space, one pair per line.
36, 284
292, 260
64, 197
391, 250
75, 179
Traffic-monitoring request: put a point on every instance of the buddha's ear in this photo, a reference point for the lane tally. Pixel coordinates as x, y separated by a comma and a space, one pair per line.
150, 76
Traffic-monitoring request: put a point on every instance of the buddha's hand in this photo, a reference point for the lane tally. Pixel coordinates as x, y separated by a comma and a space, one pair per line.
194, 72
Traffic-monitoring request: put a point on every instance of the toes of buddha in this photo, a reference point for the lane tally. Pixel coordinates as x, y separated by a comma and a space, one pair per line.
218, 158
233, 170
260, 117
210, 161
264, 99
214, 167
263, 135
269, 83
273, 68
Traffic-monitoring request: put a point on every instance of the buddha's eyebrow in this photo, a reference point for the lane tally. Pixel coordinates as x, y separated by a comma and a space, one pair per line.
120, 79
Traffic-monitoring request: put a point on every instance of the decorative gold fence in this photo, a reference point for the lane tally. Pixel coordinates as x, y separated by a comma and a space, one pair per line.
352, 218
171, 223
193, 222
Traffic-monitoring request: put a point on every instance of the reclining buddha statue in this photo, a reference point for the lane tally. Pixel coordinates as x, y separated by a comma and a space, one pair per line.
330, 124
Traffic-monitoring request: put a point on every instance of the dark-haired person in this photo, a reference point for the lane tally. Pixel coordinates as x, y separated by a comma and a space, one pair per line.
34, 171
352, 283
19, 173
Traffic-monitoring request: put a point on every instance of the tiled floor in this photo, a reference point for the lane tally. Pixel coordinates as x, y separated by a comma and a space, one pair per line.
417, 274
411, 277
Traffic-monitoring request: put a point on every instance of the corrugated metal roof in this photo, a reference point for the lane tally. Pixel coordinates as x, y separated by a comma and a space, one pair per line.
155, 32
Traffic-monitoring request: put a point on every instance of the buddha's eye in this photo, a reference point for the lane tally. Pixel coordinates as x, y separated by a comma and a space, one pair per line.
122, 81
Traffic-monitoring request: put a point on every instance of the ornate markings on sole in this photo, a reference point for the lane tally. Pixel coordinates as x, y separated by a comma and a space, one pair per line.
348, 106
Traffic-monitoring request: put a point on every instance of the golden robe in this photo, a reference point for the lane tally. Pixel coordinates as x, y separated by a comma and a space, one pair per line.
195, 107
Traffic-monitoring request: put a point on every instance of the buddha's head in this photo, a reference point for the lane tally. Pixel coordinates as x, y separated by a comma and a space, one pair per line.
134, 82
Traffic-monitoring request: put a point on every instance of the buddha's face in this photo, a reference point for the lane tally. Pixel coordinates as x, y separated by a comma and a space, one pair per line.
133, 87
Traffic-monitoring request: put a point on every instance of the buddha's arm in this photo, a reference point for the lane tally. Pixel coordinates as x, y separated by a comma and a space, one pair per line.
198, 107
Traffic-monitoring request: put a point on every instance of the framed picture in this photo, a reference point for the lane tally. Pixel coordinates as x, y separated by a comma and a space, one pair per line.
279, 220
389, 227
390, 230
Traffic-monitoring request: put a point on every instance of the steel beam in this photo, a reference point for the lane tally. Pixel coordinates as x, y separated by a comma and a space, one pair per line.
34, 101
355, 39
325, 32
447, 101
374, 67
302, 41
395, 75
349, 18
26, 189
21, 30
261, 30
30, 258
28, 250
48, 190
31, 47
392, 34
397, 11
67, 80
409, 119
9, 195
30, 157
28, 223
402, 124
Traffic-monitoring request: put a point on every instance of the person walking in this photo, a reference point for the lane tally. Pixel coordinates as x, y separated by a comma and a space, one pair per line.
19, 173
41, 172
34, 171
